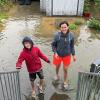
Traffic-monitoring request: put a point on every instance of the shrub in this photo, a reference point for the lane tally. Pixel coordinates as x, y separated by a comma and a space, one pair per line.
4, 4
87, 6
79, 22
95, 24
72, 26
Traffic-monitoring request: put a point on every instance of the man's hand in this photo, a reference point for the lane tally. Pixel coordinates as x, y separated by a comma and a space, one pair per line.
48, 61
18, 70
74, 58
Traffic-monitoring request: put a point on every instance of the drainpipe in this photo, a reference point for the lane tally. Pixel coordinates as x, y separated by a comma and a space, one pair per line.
77, 7
51, 7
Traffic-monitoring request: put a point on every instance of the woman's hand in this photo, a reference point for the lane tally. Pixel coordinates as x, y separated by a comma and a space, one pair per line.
74, 58
56, 55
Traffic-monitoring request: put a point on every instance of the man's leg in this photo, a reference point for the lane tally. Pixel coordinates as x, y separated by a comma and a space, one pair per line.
32, 84
41, 83
32, 79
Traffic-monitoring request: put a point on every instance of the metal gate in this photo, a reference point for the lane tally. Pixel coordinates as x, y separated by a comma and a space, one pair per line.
10, 86
88, 86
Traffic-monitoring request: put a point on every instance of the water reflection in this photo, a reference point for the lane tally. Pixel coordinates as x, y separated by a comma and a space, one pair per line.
56, 96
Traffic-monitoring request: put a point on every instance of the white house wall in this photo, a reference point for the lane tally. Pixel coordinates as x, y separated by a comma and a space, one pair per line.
49, 7
62, 7
43, 5
80, 8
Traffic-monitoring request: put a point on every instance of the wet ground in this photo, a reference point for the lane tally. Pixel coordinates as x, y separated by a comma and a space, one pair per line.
24, 21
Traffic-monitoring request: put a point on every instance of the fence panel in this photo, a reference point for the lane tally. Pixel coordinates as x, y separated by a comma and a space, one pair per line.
88, 86
10, 86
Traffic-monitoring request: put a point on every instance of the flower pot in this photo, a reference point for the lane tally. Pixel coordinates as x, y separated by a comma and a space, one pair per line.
87, 14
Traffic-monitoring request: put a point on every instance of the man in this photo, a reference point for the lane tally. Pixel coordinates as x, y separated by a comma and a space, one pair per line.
31, 55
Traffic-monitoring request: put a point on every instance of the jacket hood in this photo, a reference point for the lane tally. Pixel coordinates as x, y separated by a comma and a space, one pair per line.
27, 39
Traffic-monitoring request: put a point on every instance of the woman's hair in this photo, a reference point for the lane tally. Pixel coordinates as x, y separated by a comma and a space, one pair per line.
64, 22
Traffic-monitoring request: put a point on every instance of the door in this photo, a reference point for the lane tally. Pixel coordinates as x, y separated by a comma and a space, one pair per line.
65, 7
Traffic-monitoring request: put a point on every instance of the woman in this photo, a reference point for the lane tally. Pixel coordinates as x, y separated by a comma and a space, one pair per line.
63, 48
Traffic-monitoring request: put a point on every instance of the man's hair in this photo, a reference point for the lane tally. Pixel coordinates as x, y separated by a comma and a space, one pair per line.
64, 22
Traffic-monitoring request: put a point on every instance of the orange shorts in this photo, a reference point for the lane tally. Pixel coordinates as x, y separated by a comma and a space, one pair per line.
66, 60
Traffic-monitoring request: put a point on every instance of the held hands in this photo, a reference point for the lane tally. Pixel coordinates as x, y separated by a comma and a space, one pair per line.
18, 70
48, 61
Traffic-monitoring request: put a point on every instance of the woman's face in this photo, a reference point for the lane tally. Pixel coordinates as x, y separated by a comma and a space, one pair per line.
27, 45
64, 28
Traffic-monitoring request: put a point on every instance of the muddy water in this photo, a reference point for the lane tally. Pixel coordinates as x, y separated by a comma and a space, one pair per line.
24, 21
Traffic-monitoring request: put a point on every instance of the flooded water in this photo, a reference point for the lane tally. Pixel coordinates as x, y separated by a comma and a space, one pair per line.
25, 21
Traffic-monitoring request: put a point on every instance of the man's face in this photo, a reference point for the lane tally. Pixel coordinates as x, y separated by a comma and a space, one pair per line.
64, 28
27, 45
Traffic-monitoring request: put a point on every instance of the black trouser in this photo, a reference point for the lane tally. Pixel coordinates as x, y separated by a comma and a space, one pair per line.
32, 76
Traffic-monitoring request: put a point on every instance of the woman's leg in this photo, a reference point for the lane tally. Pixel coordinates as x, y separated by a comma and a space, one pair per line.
57, 63
65, 74
66, 64
57, 70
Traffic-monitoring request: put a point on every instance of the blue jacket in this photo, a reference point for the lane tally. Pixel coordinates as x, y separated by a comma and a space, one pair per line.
63, 45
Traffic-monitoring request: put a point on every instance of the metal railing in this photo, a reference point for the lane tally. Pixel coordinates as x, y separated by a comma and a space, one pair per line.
10, 86
88, 86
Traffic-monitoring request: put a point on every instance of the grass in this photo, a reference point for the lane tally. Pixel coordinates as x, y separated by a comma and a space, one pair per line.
79, 22
4, 8
49, 25
3, 16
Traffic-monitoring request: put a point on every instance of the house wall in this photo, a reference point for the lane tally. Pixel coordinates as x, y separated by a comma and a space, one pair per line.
62, 7
80, 8
43, 5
